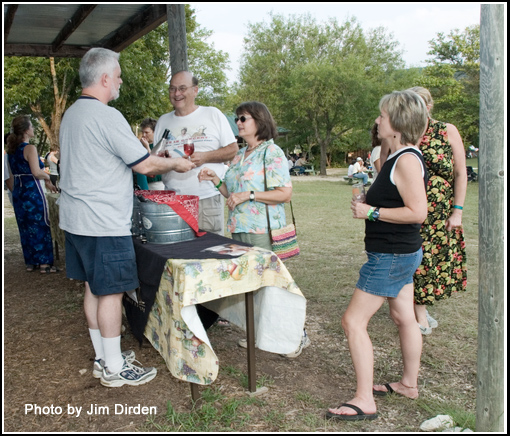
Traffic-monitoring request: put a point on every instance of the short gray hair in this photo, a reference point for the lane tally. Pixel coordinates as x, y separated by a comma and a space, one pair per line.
407, 115
96, 62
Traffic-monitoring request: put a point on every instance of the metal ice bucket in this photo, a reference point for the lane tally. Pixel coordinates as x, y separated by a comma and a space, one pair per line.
162, 225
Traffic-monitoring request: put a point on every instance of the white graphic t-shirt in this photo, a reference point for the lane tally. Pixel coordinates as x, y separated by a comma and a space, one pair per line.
209, 129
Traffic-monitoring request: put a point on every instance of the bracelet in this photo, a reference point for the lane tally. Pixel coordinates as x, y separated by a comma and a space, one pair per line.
369, 214
218, 186
458, 207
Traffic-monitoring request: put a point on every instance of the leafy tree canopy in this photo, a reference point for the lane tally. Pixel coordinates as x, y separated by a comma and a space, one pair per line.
322, 81
453, 78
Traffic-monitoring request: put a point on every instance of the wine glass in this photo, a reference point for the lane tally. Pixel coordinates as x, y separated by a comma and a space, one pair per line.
189, 147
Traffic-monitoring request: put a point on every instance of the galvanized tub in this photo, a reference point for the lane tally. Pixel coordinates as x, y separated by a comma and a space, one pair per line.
162, 225
136, 218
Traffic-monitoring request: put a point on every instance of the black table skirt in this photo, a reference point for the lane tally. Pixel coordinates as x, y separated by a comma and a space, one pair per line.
151, 260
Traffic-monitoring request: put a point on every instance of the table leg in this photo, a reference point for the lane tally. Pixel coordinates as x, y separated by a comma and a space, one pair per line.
195, 394
250, 338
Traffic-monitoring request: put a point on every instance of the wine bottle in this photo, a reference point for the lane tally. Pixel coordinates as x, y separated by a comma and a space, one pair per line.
159, 148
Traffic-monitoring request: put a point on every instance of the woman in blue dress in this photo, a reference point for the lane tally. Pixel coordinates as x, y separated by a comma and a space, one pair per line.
29, 200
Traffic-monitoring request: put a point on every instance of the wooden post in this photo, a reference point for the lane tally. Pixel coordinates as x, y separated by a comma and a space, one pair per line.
177, 37
491, 295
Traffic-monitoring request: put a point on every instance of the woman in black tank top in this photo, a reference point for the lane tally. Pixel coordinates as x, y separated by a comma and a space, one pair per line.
396, 205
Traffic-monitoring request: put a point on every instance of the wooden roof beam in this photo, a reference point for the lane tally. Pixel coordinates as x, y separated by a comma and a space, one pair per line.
74, 22
44, 50
142, 24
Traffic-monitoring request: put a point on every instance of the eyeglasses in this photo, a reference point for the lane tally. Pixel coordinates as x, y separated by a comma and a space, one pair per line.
181, 89
242, 119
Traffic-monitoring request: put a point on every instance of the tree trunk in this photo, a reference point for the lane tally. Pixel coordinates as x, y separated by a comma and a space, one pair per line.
60, 100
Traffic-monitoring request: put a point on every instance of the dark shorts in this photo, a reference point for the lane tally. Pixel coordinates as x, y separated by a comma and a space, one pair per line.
108, 264
385, 274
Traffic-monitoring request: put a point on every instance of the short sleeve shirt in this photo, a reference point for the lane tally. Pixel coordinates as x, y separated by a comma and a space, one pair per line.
248, 175
97, 150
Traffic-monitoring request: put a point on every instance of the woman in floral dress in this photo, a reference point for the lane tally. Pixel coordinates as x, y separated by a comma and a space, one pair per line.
28, 196
244, 184
443, 270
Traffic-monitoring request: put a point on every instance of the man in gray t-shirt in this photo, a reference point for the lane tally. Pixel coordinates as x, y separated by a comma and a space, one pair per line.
98, 153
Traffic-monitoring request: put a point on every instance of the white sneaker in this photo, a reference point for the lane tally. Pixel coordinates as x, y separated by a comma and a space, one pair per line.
242, 343
305, 343
432, 322
128, 375
97, 371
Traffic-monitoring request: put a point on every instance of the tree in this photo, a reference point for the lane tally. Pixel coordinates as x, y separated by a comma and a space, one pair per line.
42, 87
323, 81
146, 71
453, 78
47, 87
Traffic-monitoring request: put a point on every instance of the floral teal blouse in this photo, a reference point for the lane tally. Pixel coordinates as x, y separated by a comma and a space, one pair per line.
248, 175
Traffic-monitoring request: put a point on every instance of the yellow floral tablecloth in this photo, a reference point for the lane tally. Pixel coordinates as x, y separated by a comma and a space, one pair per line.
175, 330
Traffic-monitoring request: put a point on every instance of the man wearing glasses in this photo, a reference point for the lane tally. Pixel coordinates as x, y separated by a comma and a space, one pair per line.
214, 144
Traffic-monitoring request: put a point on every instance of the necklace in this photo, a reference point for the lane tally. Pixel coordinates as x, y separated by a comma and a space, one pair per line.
88, 96
253, 148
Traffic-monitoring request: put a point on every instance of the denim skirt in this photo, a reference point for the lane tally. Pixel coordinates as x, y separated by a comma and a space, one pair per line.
385, 274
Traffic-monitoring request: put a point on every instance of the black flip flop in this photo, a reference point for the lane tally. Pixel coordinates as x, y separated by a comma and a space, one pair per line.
360, 415
384, 393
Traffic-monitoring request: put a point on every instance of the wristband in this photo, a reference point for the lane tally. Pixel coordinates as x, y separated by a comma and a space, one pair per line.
218, 186
369, 214
457, 207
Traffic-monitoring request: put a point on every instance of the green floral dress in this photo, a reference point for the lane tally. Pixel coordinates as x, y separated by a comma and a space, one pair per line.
443, 270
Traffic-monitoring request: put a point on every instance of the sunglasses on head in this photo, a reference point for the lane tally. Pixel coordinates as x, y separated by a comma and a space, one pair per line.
242, 119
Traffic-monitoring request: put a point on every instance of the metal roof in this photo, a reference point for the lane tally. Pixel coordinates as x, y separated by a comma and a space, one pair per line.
69, 30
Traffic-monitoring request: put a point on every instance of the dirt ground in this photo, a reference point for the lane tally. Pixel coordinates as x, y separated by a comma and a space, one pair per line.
48, 361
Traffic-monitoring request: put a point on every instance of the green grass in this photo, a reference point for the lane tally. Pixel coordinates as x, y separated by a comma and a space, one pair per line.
326, 271
214, 413
331, 243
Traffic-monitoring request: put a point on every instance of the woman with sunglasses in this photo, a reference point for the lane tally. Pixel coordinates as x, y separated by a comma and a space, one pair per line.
243, 185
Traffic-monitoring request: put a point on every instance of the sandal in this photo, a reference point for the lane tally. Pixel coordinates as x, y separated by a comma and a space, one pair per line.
223, 322
390, 391
49, 269
30, 268
359, 416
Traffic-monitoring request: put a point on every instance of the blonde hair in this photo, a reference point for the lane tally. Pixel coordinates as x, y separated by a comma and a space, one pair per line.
407, 115
425, 94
